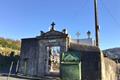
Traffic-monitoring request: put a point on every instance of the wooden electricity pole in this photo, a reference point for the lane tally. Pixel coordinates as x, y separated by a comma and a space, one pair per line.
96, 24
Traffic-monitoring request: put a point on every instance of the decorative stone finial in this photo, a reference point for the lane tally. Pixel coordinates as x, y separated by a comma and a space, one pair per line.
64, 31
53, 26
41, 32
88, 33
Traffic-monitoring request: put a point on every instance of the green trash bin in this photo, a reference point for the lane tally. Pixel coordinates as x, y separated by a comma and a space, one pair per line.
70, 66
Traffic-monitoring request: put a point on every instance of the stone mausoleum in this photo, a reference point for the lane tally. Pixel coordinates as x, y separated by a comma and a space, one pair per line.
43, 56
37, 53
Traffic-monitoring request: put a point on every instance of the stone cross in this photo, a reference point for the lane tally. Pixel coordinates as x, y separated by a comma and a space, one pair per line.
78, 35
53, 26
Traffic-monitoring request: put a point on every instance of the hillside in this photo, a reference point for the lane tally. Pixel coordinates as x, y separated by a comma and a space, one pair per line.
113, 53
9, 45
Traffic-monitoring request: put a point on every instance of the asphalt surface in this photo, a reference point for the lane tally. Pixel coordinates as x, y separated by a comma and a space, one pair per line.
13, 77
10, 78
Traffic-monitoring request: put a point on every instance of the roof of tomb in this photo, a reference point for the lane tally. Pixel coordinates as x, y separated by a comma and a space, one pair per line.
86, 48
53, 33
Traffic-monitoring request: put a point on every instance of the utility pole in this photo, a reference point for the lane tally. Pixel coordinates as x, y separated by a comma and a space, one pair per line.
96, 23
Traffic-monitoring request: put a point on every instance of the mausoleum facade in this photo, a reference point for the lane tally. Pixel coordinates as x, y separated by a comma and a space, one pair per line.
43, 56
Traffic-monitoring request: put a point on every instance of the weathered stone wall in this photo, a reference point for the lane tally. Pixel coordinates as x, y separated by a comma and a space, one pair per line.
90, 66
43, 55
118, 71
90, 61
109, 68
34, 56
28, 59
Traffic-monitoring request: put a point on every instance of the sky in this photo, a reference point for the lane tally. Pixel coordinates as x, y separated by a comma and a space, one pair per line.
26, 18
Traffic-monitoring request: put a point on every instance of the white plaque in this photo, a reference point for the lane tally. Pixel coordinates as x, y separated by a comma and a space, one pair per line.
52, 40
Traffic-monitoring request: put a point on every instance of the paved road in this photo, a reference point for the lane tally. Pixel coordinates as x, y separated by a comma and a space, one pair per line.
13, 78
10, 78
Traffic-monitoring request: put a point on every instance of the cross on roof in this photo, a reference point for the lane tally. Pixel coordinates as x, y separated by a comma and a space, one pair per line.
53, 26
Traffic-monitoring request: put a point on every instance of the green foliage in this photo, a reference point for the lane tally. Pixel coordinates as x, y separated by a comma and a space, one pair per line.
9, 43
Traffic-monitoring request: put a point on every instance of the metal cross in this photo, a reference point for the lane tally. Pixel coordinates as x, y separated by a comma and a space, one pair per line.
53, 24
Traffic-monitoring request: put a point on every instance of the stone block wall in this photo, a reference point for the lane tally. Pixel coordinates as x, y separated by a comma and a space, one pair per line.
28, 59
90, 66
43, 54
118, 71
109, 69
34, 55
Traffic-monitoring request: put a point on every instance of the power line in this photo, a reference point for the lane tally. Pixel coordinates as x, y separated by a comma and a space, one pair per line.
110, 13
